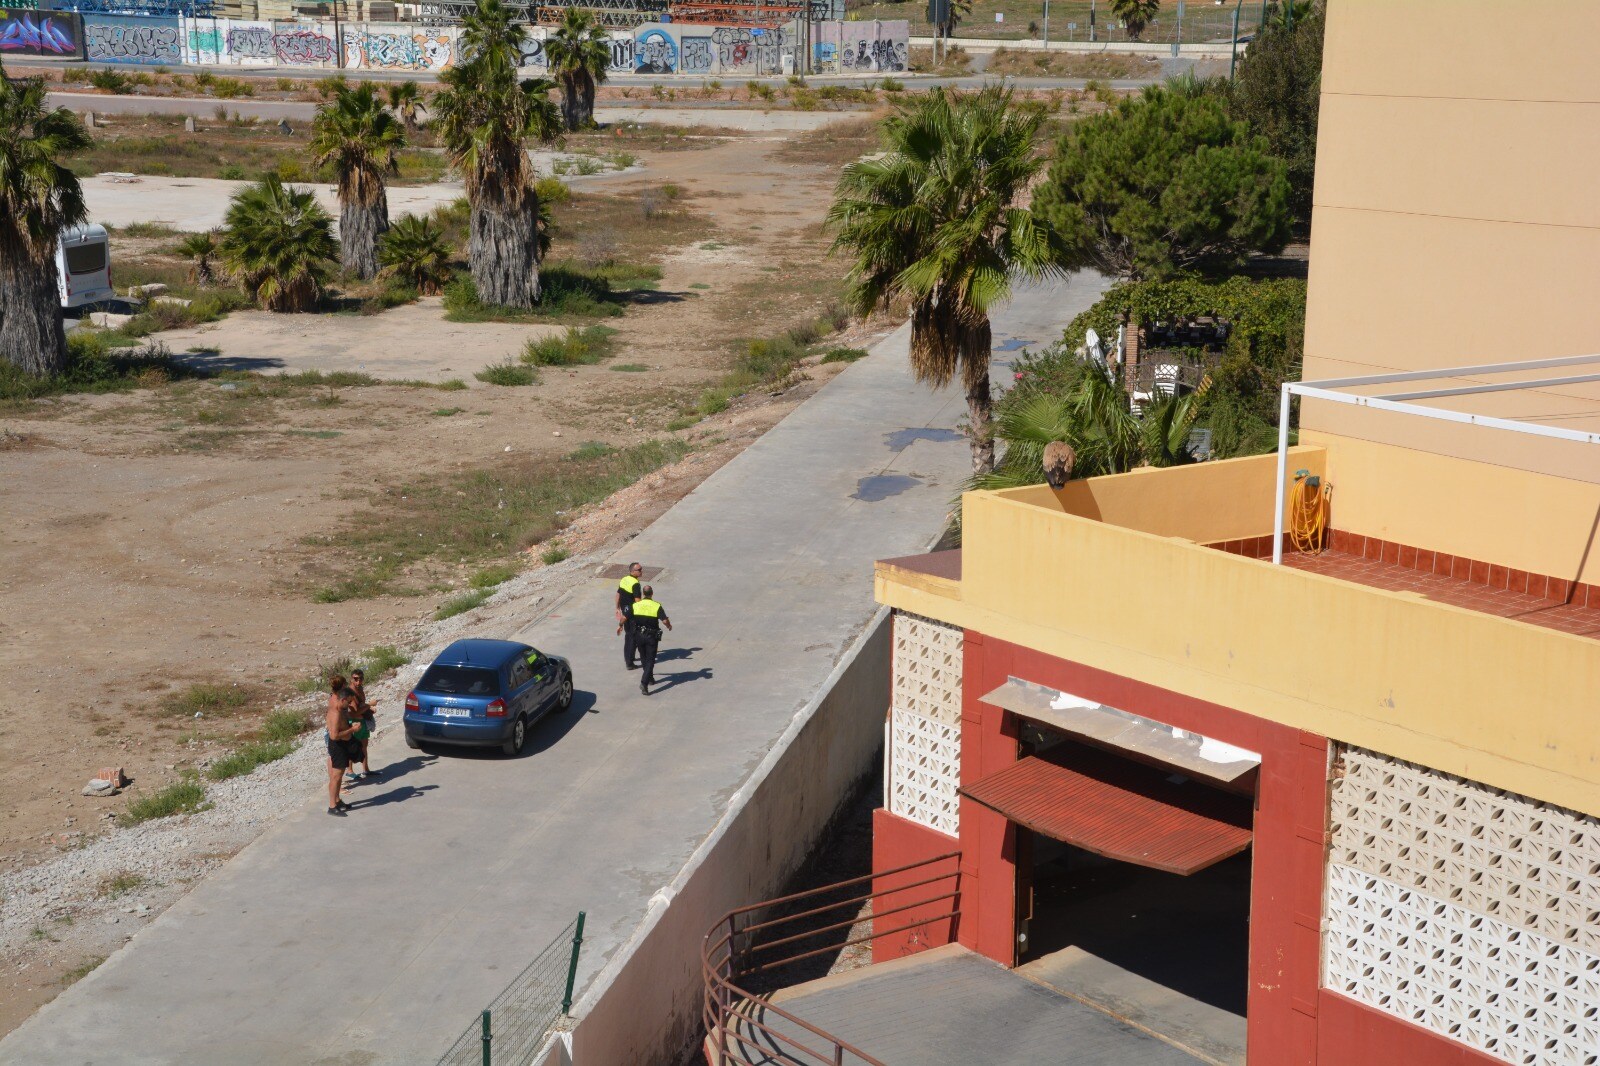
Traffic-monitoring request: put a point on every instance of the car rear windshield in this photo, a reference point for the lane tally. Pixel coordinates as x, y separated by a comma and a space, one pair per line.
459, 681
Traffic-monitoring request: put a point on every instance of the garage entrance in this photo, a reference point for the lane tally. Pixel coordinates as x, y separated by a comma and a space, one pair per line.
1133, 883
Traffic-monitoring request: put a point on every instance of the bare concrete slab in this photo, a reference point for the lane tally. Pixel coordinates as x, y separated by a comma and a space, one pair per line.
197, 204
376, 938
951, 1007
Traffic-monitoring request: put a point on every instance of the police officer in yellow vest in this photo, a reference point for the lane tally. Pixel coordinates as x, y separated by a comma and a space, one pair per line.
627, 592
647, 620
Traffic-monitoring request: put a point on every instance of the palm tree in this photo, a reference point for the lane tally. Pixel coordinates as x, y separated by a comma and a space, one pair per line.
405, 100
1093, 418
414, 251
202, 248
39, 197
938, 221
579, 52
485, 117
1135, 14
358, 135
279, 242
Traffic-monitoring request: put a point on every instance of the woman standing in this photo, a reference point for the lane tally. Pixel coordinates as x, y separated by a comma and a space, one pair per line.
368, 722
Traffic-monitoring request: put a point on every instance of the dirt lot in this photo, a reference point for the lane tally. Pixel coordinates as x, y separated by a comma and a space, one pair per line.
180, 534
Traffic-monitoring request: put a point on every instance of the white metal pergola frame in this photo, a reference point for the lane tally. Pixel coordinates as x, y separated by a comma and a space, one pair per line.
1398, 402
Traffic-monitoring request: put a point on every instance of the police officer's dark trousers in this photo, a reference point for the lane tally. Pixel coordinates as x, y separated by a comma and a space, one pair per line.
630, 643
649, 641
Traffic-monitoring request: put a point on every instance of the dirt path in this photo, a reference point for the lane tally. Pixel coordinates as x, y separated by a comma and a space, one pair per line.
159, 538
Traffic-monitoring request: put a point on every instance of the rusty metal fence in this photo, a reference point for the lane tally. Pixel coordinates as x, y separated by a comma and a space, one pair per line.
745, 954
513, 1028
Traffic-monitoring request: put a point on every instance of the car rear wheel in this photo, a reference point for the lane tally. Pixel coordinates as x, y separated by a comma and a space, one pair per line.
519, 736
564, 701
413, 743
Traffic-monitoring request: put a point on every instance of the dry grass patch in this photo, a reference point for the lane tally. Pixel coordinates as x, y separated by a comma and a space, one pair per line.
1071, 64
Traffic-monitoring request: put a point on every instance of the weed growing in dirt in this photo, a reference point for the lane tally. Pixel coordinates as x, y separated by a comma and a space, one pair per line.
452, 385
490, 576
767, 363
844, 355
247, 757
204, 698
478, 515
93, 366
553, 555
508, 373
161, 315
682, 422
183, 797
576, 347
383, 660
284, 725
630, 368
446, 412
461, 604
120, 884
82, 970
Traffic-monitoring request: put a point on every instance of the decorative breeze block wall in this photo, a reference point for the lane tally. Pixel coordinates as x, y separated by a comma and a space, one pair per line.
925, 722
1468, 910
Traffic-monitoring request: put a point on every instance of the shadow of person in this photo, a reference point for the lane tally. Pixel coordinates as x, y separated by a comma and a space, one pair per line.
394, 795
667, 655
682, 677
403, 767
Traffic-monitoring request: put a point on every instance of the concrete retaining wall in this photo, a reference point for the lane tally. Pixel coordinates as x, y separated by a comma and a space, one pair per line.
644, 1007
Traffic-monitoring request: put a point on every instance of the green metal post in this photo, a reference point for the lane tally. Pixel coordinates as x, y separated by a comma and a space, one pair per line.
1233, 57
572, 967
486, 1038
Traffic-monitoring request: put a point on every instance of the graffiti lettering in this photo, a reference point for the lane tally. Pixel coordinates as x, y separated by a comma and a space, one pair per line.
621, 54
203, 41
877, 56
694, 55
427, 50
133, 44
304, 47
251, 42
738, 47
533, 53
48, 36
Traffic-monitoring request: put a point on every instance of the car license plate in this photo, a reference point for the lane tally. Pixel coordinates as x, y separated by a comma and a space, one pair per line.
453, 712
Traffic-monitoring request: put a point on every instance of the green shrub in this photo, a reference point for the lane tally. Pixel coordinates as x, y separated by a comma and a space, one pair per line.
844, 355
284, 725
206, 699
461, 604
111, 81
552, 191
508, 373
382, 660
565, 291
490, 576
576, 347
94, 366
554, 554
629, 368
247, 757
183, 797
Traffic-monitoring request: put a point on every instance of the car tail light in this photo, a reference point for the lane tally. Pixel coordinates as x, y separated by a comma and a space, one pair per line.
497, 709
412, 706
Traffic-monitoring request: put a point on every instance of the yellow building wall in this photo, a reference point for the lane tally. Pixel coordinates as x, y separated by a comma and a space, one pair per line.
1494, 700
1534, 522
1455, 220
1206, 502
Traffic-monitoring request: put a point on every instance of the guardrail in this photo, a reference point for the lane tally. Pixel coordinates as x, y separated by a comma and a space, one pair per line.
756, 943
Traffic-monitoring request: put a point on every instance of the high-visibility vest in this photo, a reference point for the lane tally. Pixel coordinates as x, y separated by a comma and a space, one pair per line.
646, 609
630, 585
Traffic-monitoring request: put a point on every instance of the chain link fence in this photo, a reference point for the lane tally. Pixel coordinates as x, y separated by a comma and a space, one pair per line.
1083, 21
512, 1029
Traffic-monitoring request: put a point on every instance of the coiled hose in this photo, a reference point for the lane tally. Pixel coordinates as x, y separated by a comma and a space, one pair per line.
1308, 513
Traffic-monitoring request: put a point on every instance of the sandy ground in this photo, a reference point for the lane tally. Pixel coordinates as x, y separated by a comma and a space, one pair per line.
195, 204
147, 547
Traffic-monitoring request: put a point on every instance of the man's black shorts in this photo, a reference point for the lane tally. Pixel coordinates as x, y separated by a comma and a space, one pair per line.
340, 751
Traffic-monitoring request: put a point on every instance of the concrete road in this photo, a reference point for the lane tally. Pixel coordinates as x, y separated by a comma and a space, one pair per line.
377, 938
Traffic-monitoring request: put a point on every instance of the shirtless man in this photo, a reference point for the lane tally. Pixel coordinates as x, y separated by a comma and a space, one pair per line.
341, 726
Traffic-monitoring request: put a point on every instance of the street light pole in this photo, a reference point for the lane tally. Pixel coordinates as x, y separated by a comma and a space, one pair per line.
1233, 56
1047, 25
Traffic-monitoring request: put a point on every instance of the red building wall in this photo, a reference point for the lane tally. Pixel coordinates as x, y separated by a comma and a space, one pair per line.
1291, 1019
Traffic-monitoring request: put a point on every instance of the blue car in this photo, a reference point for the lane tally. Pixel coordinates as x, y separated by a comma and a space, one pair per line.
486, 693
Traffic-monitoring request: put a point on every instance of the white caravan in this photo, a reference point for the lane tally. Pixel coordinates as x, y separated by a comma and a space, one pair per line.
83, 265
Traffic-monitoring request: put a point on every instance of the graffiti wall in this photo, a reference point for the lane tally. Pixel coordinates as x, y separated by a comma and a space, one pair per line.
41, 33
380, 46
128, 39
861, 47
656, 48
305, 44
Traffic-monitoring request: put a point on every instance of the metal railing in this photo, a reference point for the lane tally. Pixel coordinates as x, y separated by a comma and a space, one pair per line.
750, 946
513, 1028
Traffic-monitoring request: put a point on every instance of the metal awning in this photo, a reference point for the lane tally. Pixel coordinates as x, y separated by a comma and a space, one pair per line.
1191, 752
1120, 809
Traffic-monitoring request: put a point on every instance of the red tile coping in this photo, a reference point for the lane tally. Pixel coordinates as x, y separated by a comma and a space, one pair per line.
1471, 571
